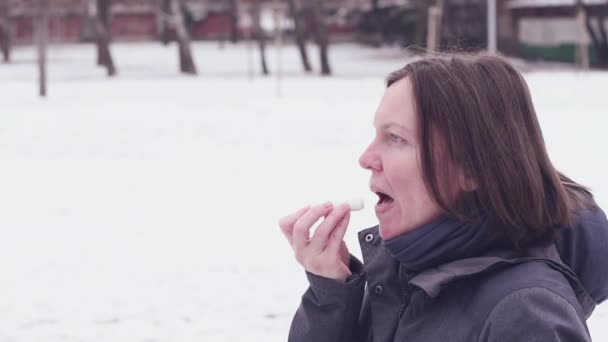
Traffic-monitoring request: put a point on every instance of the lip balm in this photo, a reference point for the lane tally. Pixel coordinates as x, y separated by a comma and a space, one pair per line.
356, 204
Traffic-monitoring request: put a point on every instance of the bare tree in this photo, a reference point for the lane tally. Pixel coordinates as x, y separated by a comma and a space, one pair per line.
375, 5
5, 32
376, 22
100, 15
260, 35
42, 22
186, 62
422, 10
582, 52
234, 20
103, 16
296, 14
321, 34
163, 10
598, 33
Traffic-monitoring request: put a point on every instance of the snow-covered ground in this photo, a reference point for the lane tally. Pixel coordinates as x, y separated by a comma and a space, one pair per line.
144, 208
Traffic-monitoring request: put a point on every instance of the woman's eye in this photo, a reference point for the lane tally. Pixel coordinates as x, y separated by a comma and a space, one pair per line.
395, 138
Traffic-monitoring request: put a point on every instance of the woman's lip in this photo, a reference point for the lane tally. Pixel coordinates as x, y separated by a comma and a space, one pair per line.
383, 207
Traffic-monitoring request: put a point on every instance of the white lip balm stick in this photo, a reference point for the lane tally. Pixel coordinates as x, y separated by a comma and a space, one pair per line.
356, 204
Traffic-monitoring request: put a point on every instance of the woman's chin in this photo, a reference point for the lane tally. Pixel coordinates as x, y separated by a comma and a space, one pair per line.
387, 231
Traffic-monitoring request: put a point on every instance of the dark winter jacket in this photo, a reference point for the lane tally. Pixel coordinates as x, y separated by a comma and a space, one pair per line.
499, 295
584, 249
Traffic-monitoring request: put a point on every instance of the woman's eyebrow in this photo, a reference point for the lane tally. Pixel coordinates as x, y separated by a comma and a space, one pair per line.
394, 124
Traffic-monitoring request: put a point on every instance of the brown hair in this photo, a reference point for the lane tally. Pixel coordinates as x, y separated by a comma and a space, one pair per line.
480, 107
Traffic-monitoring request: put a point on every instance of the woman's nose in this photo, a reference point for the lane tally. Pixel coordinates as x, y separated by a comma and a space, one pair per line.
370, 160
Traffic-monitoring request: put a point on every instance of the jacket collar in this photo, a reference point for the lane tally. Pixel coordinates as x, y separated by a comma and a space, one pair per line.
432, 280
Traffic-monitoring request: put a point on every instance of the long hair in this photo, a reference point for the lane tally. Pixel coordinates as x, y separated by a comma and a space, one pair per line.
479, 106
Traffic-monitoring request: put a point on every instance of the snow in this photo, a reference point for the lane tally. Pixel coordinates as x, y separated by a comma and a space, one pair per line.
145, 208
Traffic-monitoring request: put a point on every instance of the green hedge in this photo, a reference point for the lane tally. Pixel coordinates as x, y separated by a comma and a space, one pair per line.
558, 53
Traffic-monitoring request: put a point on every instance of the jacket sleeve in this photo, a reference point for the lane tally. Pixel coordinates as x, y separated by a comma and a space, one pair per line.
329, 311
534, 314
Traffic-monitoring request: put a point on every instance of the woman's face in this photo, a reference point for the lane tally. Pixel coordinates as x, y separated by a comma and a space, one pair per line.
393, 158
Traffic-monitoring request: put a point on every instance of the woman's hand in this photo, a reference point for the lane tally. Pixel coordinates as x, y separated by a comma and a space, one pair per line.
325, 254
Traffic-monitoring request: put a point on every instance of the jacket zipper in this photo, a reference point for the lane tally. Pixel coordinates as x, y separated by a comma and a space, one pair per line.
405, 291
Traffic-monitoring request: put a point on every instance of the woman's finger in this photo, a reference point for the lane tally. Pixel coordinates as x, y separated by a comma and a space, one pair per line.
320, 238
301, 229
286, 223
337, 236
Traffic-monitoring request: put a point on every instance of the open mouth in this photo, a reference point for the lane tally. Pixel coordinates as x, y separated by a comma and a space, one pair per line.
383, 199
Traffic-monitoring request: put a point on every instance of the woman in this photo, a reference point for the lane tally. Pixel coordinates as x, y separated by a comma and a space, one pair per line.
470, 209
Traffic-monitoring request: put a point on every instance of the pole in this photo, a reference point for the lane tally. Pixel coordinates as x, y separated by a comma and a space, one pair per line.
41, 38
432, 28
492, 26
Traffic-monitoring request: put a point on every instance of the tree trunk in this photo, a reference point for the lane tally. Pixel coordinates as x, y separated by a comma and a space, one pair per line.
41, 40
5, 32
582, 53
186, 62
296, 14
103, 16
234, 21
260, 35
163, 14
101, 19
375, 5
599, 39
422, 10
377, 23
603, 52
321, 34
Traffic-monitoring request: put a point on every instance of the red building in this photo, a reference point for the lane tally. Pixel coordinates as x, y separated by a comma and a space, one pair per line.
70, 20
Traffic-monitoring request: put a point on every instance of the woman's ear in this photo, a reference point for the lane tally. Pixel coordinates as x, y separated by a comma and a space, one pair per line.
467, 183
